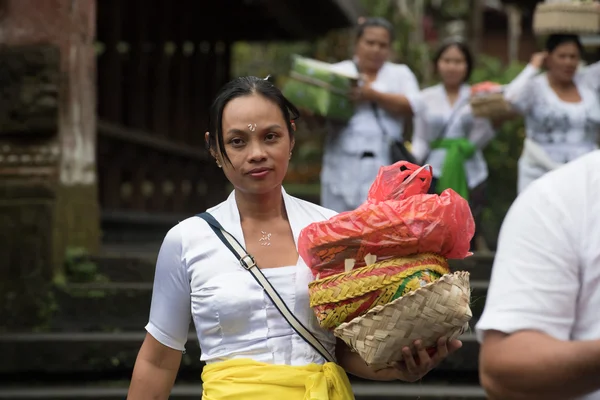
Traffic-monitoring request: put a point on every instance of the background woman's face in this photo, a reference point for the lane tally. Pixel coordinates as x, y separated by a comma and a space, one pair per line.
257, 142
563, 61
452, 66
373, 48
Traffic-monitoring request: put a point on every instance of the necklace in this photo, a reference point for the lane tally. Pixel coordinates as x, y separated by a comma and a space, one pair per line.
265, 239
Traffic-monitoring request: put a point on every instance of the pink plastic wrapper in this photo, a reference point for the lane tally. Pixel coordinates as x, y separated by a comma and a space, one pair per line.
398, 219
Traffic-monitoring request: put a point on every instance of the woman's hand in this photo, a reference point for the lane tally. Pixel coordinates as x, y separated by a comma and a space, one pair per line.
537, 59
364, 92
411, 368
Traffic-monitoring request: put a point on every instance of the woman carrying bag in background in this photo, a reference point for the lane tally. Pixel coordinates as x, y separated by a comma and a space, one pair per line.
387, 94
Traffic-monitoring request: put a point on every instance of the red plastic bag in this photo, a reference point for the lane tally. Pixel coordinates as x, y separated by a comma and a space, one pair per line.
399, 181
397, 220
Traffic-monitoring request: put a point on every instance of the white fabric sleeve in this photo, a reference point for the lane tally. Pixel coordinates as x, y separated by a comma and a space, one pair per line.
482, 132
590, 75
518, 92
170, 311
535, 277
409, 88
420, 140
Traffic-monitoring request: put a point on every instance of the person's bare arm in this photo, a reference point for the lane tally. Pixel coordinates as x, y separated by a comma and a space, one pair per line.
405, 104
159, 358
409, 369
394, 103
530, 365
155, 371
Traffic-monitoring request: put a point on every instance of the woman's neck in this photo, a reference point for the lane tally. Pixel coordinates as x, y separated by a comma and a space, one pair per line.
452, 92
261, 207
370, 72
559, 84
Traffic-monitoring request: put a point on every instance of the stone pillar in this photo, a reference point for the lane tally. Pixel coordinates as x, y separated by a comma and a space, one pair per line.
48, 191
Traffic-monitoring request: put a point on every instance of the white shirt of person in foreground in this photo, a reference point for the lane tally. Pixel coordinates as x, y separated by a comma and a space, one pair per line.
540, 329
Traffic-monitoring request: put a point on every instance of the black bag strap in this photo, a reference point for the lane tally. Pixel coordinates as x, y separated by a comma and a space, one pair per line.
248, 263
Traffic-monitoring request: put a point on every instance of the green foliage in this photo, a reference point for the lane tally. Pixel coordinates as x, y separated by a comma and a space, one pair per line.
79, 267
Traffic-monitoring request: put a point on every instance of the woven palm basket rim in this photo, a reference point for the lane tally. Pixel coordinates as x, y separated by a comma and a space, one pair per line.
316, 285
574, 17
459, 278
577, 6
490, 105
377, 309
487, 98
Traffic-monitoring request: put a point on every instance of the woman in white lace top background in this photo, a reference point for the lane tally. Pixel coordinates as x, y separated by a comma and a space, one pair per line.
561, 107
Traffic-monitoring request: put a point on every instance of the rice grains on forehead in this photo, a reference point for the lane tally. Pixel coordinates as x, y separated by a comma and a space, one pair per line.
239, 87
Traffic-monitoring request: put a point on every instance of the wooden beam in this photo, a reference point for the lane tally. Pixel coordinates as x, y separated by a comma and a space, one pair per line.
288, 18
145, 139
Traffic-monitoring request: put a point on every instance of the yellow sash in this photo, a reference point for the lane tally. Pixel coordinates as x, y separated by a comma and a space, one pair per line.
248, 379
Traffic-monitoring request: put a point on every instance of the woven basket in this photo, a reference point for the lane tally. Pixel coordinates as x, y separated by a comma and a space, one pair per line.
567, 17
492, 106
342, 297
438, 309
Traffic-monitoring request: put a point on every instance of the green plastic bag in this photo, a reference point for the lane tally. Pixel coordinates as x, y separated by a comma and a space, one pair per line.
314, 86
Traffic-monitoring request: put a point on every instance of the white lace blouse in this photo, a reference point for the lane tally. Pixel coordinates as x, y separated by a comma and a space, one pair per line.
565, 131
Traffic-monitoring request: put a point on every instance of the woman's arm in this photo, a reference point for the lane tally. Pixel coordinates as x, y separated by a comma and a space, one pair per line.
155, 370
160, 355
394, 103
531, 365
482, 132
518, 93
405, 100
590, 75
409, 369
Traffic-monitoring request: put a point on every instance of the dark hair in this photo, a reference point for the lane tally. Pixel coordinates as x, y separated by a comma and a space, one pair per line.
462, 47
375, 22
553, 41
239, 87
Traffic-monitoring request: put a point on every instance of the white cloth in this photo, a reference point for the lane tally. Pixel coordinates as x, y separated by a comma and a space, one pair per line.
345, 176
565, 131
430, 123
546, 271
198, 277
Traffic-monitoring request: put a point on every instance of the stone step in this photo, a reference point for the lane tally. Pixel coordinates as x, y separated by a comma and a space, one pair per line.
124, 306
120, 265
103, 307
79, 353
115, 353
362, 391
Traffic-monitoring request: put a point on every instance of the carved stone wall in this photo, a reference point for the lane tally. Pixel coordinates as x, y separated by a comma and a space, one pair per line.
48, 194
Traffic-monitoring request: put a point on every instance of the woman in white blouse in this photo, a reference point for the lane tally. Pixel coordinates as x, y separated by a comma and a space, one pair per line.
250, 349
446, 134
561, 108
355, 151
